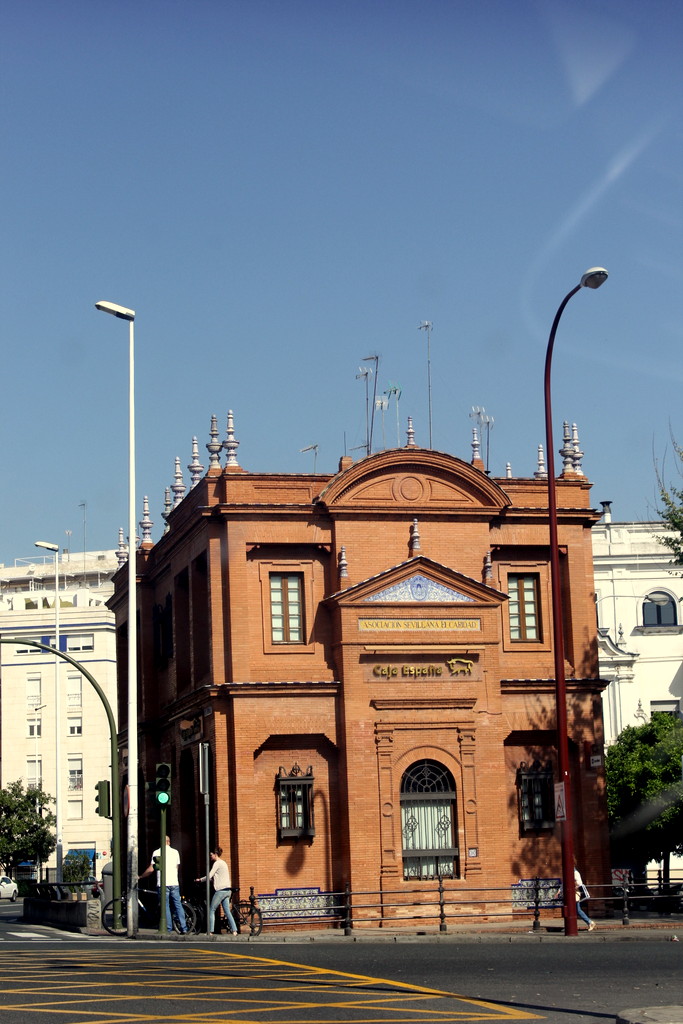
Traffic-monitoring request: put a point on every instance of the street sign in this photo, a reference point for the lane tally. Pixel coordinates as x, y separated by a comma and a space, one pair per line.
560, 804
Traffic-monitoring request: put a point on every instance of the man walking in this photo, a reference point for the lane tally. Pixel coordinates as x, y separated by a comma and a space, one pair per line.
172, 864
220, 876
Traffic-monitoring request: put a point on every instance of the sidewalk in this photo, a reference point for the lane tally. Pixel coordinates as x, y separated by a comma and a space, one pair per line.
654, 928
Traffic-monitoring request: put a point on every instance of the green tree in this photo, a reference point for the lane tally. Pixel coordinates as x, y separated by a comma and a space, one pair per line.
671, 508
26, 825
77, 867
645, 793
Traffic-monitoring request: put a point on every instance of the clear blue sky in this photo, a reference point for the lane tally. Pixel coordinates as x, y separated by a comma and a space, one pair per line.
280, 188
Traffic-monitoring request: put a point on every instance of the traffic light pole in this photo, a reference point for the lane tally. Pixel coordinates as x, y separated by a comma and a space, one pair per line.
163, 922
115, 787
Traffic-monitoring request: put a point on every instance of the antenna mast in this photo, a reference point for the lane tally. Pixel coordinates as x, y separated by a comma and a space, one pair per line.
395, 390
427, 325
363, 374
370, 359
311, 448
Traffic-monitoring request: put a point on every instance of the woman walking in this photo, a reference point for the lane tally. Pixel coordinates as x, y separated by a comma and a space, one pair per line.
220, 876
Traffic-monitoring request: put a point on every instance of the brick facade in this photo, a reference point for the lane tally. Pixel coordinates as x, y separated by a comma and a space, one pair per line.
400, 565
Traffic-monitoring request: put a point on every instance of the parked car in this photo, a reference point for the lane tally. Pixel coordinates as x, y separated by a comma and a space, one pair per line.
8, 889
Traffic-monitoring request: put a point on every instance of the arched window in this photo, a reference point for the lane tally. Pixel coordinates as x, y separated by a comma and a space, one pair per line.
428, 822
659, 609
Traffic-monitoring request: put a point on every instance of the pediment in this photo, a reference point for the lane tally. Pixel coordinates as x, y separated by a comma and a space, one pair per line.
419, 581
413, 479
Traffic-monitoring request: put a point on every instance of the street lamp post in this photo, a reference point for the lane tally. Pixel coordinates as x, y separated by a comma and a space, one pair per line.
593, 278
58, 739
132, 838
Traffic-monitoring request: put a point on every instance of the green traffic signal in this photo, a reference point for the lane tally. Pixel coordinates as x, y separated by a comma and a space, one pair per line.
162, 789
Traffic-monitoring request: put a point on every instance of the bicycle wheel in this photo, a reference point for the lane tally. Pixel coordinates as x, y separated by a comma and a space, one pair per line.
114, 917
249, 919
190, 918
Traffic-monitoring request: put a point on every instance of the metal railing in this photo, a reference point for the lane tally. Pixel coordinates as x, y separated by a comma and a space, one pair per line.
438, 904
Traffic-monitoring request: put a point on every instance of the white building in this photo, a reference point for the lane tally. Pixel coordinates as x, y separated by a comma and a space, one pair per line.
640, 622
28, 724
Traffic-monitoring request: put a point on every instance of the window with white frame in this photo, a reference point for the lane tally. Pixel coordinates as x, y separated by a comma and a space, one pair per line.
74, 810
74, 691
286, 607
75, 725
85, 642
34, 772
34, 727
75, 767
523, 607
33, 690
659, 609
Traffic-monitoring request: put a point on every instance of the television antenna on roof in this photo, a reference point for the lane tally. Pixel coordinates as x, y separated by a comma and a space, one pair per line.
311, 448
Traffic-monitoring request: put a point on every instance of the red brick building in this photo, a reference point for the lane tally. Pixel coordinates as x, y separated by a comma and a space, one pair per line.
369, 657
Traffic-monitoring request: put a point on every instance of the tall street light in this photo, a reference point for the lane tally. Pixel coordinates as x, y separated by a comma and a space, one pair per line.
593, 278
58, 739
132, 839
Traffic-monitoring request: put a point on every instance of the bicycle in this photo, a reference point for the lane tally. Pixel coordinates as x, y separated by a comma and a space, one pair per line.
115, 913
248, 917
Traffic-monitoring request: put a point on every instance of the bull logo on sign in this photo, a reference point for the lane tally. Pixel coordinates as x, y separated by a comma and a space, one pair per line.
460, 666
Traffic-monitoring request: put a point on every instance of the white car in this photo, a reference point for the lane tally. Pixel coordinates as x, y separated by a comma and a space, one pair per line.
8, 889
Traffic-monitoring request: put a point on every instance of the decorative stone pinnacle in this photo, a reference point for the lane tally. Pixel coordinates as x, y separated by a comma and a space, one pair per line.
195, 467
476, 446
214, 446
168, 505
541, 471
488, 568
178, 486
410, 433
414, 537
508, 470
567, 450
122, 550
146, 523
230, 444
578, 454
342, 564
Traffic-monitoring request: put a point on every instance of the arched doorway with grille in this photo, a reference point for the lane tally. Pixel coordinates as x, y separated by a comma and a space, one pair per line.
429, 825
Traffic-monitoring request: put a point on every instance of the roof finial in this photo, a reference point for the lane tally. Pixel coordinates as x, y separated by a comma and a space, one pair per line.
214, 446
167, 508
541, 471
178, 486
122, 550
488, 568
195, 467
567, 450
414, 537
146, 523
231, 445
508, 470
411, 433
578, 454
476, 446
342, 565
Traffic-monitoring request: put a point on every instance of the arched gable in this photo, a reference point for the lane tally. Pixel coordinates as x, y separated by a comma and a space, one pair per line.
418, 479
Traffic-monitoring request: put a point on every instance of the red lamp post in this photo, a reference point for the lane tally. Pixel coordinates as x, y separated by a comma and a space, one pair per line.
593, 278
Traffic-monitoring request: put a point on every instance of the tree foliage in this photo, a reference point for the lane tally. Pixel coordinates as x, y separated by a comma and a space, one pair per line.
644, 791
77, 867
671, 508
26, 825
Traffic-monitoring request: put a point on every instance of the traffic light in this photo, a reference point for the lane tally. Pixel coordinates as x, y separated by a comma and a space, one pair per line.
162, 789
103, 798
